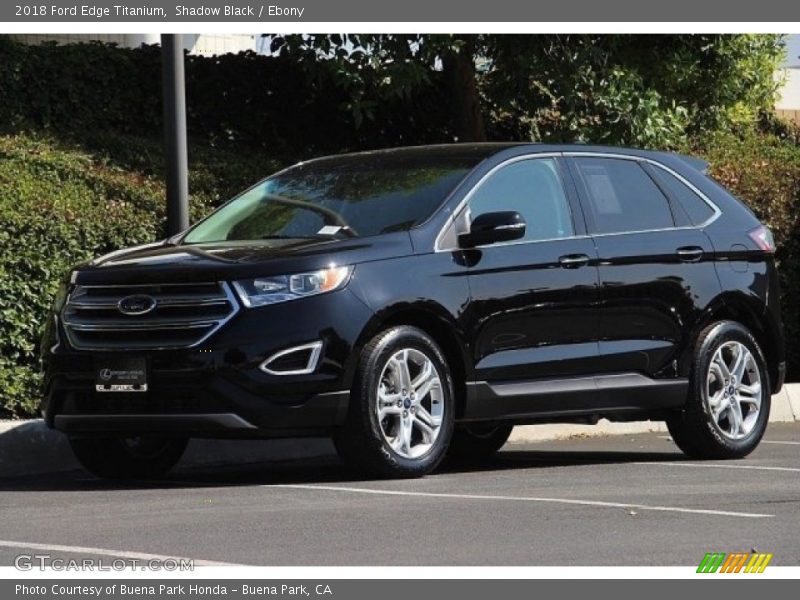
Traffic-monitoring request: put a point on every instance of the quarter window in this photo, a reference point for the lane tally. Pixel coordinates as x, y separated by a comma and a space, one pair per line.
698, 209
532, 188
622, 196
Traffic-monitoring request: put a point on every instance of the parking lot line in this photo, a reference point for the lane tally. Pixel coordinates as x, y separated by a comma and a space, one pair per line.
83, 550
718, 466
780, 442
565, 501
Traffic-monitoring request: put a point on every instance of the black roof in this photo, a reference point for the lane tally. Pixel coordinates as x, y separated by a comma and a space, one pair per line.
476, 152
479, 151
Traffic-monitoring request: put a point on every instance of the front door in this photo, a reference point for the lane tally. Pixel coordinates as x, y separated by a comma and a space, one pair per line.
532, 301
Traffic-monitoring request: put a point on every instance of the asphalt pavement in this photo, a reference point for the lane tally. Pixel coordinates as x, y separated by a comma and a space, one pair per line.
615, 500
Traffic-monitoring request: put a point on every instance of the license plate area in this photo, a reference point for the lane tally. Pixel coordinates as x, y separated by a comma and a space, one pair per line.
121, 374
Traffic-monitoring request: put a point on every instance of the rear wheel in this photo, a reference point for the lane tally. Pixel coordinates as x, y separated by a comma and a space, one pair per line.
479, 440
401, 411
132, 457
728, 406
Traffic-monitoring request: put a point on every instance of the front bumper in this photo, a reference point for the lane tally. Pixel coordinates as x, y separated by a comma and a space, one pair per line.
87, 412
316, 416
218, 389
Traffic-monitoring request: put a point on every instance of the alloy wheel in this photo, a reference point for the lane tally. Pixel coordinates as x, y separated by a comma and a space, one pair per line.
410, 403
733, 390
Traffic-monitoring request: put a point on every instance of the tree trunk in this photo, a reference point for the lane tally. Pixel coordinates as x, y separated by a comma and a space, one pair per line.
465, 103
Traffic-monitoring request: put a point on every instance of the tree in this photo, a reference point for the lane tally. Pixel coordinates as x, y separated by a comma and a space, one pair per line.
646, 90
458, 66
375, 67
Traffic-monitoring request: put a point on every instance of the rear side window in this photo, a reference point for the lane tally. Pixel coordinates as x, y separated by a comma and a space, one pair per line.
622, 196
696, 208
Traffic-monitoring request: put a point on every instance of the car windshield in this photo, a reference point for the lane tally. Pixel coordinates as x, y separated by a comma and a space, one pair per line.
346, 197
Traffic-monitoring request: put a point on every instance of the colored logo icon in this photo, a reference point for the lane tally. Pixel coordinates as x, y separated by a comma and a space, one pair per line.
737, 562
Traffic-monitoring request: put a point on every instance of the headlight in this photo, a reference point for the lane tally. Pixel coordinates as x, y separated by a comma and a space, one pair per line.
282, 288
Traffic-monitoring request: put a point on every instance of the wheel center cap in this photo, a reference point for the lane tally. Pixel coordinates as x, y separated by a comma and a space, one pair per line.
731, 390
407, 402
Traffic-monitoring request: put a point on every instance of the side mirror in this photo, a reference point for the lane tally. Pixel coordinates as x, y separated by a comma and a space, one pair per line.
490, 228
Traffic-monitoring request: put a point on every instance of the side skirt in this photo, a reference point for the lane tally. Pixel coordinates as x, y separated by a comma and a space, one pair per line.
571, 398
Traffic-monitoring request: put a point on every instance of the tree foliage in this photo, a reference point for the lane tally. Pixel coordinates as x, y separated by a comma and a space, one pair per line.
645, 90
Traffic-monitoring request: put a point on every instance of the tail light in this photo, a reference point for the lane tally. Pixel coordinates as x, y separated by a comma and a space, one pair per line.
762, 236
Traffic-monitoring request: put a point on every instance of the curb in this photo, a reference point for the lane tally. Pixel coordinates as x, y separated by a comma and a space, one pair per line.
524, 434
30, 448
793, 395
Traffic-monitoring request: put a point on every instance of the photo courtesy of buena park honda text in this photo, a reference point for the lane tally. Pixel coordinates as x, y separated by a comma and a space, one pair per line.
365, 300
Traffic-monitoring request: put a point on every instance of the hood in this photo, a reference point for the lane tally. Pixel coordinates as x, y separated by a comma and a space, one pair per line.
224, 261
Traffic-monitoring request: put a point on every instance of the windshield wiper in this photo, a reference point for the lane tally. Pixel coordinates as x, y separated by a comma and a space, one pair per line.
329, 217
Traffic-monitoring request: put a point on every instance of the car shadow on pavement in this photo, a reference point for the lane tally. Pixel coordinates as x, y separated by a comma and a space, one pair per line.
326, 470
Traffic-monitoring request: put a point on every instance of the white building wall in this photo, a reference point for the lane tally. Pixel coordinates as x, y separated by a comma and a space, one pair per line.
790, 92
200, 44
212, 45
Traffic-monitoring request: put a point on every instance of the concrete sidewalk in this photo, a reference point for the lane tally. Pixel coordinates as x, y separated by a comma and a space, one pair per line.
29, 448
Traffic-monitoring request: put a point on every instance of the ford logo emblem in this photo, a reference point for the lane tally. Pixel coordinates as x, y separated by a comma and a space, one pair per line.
139, 304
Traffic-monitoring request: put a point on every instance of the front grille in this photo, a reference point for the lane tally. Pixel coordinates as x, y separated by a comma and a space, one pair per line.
183, 315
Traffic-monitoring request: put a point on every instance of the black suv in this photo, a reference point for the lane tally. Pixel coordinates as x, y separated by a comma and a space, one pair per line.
416, 301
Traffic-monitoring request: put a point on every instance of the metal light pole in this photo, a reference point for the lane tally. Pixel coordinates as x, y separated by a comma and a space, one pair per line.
177, 163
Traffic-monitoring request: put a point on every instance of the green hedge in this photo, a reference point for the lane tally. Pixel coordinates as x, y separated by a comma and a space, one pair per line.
56, 208
60, 205
246, 99
764, 171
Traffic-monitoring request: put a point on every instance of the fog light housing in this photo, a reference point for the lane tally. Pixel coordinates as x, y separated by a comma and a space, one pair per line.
297, 360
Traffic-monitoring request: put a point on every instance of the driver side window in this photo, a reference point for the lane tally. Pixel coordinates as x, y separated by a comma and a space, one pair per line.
532, 188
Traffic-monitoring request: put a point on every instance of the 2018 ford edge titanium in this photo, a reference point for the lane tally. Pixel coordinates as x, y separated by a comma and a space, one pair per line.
416, 301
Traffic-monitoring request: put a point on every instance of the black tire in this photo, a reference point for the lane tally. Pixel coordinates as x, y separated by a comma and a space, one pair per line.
134, 457
479, 440
693, 429
361, 441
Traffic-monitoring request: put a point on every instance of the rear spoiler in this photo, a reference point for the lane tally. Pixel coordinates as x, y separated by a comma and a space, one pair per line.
696, 163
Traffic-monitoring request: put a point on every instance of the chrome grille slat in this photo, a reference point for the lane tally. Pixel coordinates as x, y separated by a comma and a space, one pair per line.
116, 326
186, 302
185, 315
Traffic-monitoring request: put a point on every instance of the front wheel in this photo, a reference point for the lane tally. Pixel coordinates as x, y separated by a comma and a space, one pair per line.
401, 412
729, 398
132, 457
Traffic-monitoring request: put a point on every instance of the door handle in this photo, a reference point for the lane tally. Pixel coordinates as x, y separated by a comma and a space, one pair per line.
573, 261
690, 253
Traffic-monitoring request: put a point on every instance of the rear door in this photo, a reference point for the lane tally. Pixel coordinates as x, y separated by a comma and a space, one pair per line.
655, 267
